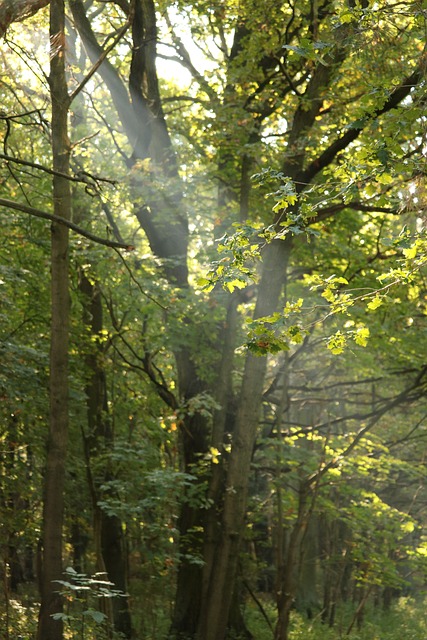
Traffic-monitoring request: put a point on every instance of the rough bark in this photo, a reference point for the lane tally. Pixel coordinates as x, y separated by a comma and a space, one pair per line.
165, 225
53, 507
222, 576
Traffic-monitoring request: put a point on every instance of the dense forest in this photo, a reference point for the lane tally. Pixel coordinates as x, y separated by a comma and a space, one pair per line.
213, 302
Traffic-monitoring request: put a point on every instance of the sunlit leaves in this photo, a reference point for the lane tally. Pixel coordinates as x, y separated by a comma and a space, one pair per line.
337, 343
240, 251
361, 335
310, 50
375, 303
275, 333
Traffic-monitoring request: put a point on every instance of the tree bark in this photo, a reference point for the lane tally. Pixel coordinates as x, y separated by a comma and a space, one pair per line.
53, 507
287, 573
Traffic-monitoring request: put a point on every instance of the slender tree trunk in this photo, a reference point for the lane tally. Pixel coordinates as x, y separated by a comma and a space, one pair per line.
53, 507
222, 575
287, 578
109, 537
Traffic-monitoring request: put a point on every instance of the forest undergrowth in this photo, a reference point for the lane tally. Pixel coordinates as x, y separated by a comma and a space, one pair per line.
406, 619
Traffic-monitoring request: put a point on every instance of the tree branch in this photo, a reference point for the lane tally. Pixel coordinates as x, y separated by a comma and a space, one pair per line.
18, 10
402, 398
395, 98
109, 75
38, 213
100, 60
82, 176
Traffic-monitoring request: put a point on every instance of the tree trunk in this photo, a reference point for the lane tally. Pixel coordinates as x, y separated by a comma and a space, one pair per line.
53, 507
221, 575
287, 579
109, 537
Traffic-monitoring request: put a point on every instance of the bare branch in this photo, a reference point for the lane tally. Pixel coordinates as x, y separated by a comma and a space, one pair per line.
38, 213
402, 398
82, 176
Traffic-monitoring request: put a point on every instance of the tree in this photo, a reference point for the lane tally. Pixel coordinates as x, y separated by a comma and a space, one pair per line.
332, 130
50, 623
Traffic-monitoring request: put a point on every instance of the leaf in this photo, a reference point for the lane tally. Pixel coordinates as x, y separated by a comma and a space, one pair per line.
59, 616
299, 50
295, 335
97, 616
374, 303
203, 282
411, 252
336, 343
383, 156
408, 527
235, 284
370, 189
328, 295
214, 454
361, 336
384, 178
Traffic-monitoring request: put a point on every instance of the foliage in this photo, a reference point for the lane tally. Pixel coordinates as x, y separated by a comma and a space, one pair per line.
82, 593
290, 127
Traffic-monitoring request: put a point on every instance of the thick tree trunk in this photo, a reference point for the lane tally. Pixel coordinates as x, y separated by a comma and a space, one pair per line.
53, 507
162, 219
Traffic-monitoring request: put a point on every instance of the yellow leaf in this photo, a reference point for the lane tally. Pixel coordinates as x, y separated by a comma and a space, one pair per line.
411, 252
384, 178
328, 295
361, 336
374, 303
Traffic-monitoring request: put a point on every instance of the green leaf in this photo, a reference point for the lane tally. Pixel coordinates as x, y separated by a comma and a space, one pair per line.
61, 616
97, 616
337, 343
411, 252
384, 178
235, 284
299, 50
